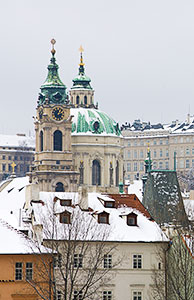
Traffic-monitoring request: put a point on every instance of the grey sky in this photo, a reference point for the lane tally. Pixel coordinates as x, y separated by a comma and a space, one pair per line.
138, 53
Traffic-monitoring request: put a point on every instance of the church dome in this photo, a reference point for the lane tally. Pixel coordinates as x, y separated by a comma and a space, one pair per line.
88, 121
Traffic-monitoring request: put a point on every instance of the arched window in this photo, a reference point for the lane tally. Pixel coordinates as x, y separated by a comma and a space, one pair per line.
77, 100
85, 99
41, 140
117, 174
59, 187
96, 173
57, 140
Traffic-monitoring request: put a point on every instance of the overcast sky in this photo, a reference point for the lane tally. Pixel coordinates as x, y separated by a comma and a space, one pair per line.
139, 55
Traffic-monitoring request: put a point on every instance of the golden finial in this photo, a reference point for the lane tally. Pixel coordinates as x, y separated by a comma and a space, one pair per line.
81, 50
13, 165
53, 42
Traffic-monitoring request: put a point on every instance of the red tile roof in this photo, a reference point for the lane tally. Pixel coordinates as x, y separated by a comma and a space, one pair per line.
130, 200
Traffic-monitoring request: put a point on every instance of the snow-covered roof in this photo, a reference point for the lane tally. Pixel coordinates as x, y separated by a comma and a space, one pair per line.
88, 121
136, 188
15, 242
117, 230
173, 128
12, 200
17, 140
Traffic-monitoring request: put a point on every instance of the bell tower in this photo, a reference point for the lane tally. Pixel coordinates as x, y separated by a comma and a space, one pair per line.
53, 167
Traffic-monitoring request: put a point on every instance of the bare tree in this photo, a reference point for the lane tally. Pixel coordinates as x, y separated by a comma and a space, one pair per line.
176, 279
82, 258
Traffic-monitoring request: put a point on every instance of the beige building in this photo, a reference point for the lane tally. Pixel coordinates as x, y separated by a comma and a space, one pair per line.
16, 155
164, 141
76, 144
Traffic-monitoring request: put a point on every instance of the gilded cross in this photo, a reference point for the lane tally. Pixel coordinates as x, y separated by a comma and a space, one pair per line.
13, 165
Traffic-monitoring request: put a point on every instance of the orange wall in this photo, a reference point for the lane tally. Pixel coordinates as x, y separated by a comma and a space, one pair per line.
19, 289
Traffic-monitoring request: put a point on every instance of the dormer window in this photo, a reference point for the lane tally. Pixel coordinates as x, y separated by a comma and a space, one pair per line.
109, 204
132, 219
103, 218
65, 202
65, 217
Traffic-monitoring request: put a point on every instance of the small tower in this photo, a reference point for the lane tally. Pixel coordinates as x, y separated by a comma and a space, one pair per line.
81, 93
53, 168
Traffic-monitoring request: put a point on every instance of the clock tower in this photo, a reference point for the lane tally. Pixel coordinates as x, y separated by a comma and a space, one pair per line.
53, 167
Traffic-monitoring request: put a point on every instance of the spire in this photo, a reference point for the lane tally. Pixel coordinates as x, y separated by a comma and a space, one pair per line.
148, 161
81, 65
53, 89
81, 81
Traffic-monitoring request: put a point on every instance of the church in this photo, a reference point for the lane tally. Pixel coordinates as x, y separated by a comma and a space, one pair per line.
76, 143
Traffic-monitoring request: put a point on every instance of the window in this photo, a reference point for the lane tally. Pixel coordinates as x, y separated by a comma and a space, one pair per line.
41, 140
161, 142
187, 151
129, 143
117, 174
137, 295
128, 167
107, 295
166, 142
9, 158
141, 154
160, 165
166, 165
142, 143
10, 168
3, 167
59, 187
57, 136
57, 261
192, 163
77, 100
78, 259
135, 143
65, 217
181, 164
187, 164
18, 271
96, 173
108, 261
135, 153
77, 295
109, 204
155, 153
103, 218
15, 158
59, 295
160, 152
65, 202
132, 219
192, 151
129, 154
155, 142
167, 154
154, 165
141, 166
3, 157
137, 261
135, 166
85, 99
28, 271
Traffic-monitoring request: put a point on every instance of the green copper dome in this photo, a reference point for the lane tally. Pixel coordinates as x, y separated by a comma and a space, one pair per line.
92, 121
53, 89
81, 81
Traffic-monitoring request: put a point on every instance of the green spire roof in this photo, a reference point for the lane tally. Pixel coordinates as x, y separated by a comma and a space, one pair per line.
53, 89
81, 81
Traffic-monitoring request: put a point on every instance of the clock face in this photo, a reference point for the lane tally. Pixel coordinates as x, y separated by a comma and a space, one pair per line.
58, 113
